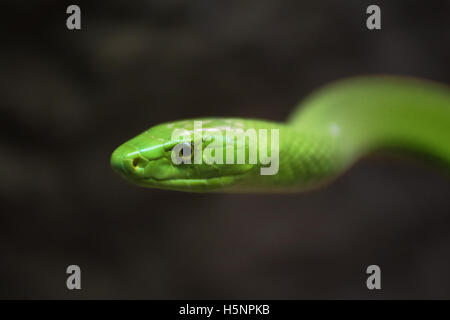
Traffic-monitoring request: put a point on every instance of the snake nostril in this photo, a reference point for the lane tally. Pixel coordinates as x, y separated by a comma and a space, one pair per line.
138, 163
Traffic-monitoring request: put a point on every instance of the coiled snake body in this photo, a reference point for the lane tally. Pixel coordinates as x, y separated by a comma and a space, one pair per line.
326, 134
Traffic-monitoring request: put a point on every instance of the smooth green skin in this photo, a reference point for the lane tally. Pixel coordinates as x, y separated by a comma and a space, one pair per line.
327, 133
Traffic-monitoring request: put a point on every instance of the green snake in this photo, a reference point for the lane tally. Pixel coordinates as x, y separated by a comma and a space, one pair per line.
325, 135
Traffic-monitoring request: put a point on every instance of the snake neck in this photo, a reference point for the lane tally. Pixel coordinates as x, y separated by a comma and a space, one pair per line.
344, 121
362, 115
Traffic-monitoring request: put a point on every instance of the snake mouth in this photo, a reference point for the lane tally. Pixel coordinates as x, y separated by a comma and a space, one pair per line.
134, 170
192, 184
156, 180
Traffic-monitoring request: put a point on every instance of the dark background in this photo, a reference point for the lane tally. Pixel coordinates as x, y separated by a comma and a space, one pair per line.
68, 98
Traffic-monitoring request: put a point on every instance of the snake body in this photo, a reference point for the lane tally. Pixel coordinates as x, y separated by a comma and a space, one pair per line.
326, 134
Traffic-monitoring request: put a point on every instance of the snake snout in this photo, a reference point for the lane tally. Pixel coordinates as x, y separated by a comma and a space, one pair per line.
117, 161
127, 161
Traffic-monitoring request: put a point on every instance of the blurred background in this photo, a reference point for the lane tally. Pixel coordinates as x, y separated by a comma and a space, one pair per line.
68, 98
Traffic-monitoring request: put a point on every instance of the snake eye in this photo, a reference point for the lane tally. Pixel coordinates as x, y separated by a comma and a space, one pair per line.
186, 150
182, 153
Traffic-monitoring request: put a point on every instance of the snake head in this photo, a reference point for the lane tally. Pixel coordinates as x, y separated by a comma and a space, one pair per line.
178, 156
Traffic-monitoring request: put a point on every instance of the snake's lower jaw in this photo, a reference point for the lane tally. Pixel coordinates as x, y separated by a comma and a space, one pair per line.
214, 184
